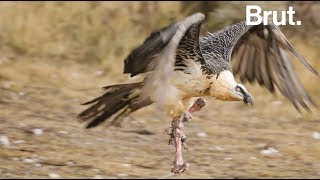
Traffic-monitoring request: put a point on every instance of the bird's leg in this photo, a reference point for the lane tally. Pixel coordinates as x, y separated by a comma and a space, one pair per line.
200, 103
178, 137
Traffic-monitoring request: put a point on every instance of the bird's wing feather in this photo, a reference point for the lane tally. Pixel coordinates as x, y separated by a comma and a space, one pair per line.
146, 57
261, 54
160, 51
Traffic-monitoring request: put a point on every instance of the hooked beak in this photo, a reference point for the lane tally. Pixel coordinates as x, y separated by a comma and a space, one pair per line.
248, 99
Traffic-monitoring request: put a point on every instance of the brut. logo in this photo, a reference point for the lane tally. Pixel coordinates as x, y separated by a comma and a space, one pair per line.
250, 20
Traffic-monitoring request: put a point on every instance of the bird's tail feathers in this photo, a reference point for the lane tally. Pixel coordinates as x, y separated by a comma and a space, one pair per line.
122, 99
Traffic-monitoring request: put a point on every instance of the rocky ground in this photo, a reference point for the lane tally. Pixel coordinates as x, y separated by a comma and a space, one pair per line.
41, 137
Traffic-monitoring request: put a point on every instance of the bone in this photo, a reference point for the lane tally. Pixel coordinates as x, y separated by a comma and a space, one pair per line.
178, 137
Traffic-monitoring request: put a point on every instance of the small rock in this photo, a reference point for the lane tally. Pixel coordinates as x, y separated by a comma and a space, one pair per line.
21, 93
98, 177
70, 163
269, 151
122, 175
316, 135
126, 165
15, 159
54, 176
227, 158
7, 84
38, 165
63, 132
99, 73
18, 141
276, 102
28, 160
260, 145
218, 148
37, 131
253, 158
4, 140
202, 134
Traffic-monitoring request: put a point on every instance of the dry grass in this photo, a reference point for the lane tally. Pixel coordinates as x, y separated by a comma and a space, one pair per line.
56, 55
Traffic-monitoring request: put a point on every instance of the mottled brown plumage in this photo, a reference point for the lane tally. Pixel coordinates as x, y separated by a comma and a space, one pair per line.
180, 66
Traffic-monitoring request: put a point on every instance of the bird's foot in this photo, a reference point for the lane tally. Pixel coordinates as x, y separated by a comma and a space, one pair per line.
198, 105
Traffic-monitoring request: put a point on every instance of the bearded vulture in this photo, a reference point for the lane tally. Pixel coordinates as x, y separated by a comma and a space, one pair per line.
179, 66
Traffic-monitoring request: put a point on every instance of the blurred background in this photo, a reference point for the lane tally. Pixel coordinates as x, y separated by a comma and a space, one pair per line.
56, 55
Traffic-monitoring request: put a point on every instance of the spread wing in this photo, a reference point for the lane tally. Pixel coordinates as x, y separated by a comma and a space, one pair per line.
164, 43
164, 52
261, 54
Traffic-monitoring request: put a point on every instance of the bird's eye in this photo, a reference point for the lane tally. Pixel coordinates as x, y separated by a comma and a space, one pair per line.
238, 89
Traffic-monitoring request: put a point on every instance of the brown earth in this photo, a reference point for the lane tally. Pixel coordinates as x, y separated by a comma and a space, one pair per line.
226, 139
56, 56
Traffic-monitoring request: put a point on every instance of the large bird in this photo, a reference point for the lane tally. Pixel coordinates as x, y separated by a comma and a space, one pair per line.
179, 66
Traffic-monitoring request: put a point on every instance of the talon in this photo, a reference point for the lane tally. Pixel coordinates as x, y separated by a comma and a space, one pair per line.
198, 105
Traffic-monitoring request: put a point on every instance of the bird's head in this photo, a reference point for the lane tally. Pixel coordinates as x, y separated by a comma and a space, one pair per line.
225, 88
240, 93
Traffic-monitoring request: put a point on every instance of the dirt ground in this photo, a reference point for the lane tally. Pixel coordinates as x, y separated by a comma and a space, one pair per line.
40, 100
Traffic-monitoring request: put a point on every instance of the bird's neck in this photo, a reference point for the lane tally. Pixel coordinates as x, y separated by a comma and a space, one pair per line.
221, 85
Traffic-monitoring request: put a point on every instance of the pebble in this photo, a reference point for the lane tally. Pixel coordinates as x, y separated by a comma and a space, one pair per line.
38, 165
53, 176
316, 135
276, 102
37, 131
28, 160
202, 134
21, 93
227, 158
70, 163
98, 177
4, 140
253, 158
126, 165
15, 159
122, 175
261, 145
218, 148
99, 73
18, 141
63, 132
88, 143
269, 151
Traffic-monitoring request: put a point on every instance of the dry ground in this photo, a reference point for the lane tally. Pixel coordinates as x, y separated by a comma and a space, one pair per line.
226, 140
56, 56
